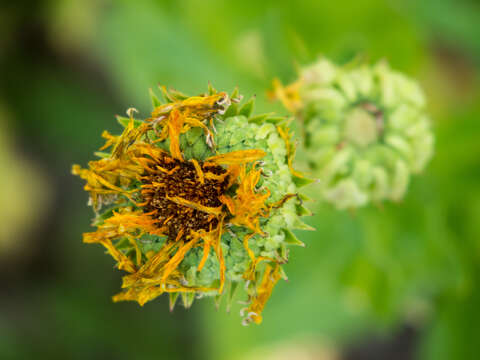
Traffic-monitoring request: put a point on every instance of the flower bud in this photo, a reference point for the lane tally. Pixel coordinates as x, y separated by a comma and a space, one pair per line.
366, 130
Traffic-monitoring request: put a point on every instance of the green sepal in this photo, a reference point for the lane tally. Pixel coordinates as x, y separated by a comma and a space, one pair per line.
124, 121
172, 300
166, 95
300, 225
304, 197
231, 111
275, 120
247, 108
177, 95
283, 253
187, 299
217, 299
259, 119
107, 213
231, 294
301, 181
211, 89
302, 210
235, 93
155, 101
123, 244
283, 274
102, 154
291, 239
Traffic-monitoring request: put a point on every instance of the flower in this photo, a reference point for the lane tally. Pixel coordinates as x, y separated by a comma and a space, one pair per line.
365, 130
199, 196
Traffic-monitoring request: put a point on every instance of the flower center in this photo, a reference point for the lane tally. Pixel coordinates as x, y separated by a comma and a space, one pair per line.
173, 189
363, 125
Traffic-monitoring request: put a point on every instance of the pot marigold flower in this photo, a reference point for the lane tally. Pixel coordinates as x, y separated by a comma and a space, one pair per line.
365, 129
199, 196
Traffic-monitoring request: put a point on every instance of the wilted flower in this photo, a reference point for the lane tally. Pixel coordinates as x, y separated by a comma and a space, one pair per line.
365, 129
198, 196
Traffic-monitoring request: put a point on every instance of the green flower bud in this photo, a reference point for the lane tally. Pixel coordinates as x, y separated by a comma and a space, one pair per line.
366, 130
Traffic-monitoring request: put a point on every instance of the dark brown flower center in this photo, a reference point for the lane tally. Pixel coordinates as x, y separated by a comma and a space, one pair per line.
174, 178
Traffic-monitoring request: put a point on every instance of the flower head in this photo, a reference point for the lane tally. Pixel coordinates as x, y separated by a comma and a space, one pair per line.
195, 197
365, 129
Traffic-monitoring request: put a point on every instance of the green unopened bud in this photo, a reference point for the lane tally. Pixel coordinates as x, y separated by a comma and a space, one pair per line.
366, 130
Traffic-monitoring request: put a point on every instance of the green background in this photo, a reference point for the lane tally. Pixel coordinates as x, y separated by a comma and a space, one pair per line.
399, 281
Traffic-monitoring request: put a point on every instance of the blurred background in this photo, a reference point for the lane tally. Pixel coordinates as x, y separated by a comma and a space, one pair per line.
397, 282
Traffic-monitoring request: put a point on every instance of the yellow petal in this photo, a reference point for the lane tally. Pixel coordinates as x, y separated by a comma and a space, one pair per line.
237, 157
